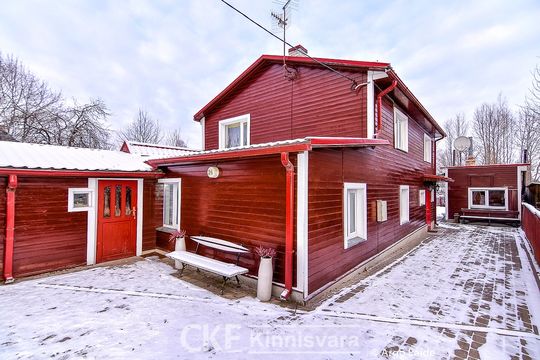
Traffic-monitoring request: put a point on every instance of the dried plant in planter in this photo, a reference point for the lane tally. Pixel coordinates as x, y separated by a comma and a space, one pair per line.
177, 234
265, 252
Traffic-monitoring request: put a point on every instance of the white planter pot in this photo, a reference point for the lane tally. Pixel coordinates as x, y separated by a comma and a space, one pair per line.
180, 245
264, 283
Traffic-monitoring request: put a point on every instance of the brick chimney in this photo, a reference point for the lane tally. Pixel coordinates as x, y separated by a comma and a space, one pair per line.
471, 161
296, 51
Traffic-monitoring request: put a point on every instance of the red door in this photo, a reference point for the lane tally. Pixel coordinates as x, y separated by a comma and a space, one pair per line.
117, 219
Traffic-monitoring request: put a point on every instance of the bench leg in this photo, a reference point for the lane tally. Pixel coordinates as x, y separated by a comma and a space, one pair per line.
237, 281
182, 270
223, 285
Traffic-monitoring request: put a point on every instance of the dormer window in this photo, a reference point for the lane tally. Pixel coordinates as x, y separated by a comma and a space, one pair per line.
234, 132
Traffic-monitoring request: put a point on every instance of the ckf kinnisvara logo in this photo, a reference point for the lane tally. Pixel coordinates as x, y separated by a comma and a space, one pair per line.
270, 339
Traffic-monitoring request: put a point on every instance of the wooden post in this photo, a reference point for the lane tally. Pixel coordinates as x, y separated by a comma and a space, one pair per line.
10, 229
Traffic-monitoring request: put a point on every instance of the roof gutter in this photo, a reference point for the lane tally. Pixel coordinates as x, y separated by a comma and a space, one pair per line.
80, 173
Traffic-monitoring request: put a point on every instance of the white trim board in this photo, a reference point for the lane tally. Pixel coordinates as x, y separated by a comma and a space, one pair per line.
302, 223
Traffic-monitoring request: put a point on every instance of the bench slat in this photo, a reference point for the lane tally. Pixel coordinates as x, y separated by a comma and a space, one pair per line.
219, 244
208, 264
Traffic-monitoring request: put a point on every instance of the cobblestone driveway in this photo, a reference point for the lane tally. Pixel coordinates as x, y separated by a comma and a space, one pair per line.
475, 285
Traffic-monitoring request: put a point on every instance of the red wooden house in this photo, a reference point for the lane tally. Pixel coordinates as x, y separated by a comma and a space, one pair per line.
337, 172
298, 159
487, 192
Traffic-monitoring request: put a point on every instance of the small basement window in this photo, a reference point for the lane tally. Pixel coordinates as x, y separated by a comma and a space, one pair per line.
80, 199
401, 130
171, 203
355, 213
488, 198
234, 132
427, 148
403, 204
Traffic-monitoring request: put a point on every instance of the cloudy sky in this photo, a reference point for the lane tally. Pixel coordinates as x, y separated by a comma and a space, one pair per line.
171, 57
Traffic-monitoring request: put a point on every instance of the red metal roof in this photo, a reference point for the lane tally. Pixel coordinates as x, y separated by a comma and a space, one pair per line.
433, 177
297, 145
290, 59
487, 165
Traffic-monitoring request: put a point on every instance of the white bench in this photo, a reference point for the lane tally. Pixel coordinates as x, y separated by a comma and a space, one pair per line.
226, 270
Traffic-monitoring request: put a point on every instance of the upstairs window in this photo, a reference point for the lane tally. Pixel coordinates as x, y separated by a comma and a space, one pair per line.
401, 130
488, 198
355, 213
403, 204
234, 132
427, 148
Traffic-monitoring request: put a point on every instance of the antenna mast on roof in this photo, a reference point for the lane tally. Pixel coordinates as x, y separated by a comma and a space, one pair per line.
282, 21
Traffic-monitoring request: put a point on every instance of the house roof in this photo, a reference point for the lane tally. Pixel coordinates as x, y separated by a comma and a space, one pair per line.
154, 151
291, 60
336, 63
485, 166
36, 156
296, 145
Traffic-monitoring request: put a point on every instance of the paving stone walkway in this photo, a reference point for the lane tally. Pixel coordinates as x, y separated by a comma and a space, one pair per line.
475, 285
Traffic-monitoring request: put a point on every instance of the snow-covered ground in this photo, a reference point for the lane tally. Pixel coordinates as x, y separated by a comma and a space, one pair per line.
469, 291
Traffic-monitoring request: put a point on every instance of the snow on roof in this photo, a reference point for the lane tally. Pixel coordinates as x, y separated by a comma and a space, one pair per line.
156, 151
37, 156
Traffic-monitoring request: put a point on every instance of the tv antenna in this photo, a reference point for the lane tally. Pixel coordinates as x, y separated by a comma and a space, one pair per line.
282, 20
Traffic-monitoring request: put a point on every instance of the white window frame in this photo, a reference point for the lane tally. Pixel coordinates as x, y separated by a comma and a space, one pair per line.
246, 118
422, 197
404, 211
176, 202
399, 117
71, 203
486, 196
360, 235
428, 148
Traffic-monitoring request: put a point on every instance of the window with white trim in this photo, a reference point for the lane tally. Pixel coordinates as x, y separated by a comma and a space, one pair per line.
488, 198
234, 132
428, 146
401, 130
171, 203
421, 197
355, 213
403, 204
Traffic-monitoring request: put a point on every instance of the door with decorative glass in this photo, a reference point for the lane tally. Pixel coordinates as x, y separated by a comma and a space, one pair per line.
117, 219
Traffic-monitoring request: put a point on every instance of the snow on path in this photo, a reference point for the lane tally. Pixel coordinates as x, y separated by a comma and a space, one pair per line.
467, 292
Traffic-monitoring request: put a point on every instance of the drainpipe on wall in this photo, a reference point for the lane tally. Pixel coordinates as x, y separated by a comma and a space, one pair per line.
289, 225
379, 106
10, 229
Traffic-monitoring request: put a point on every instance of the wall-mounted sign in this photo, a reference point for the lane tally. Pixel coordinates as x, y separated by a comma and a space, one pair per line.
213, 172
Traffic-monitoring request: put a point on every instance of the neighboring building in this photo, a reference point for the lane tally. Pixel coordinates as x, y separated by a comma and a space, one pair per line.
533, 194
153, 151
296, 158
4, 136
487, 192
363, 157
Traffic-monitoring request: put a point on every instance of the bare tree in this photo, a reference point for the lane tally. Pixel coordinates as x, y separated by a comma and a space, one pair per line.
528, 130
143, 129
454, 128
174, 138
494, 126
31, 112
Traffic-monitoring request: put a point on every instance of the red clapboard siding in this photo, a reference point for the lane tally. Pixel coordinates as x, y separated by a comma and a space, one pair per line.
47, 236
317, 103
152, 214
480, 176
3, 185
383, 169
245, 205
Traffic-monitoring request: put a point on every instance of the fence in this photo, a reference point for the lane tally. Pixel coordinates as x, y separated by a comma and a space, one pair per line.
530, 223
